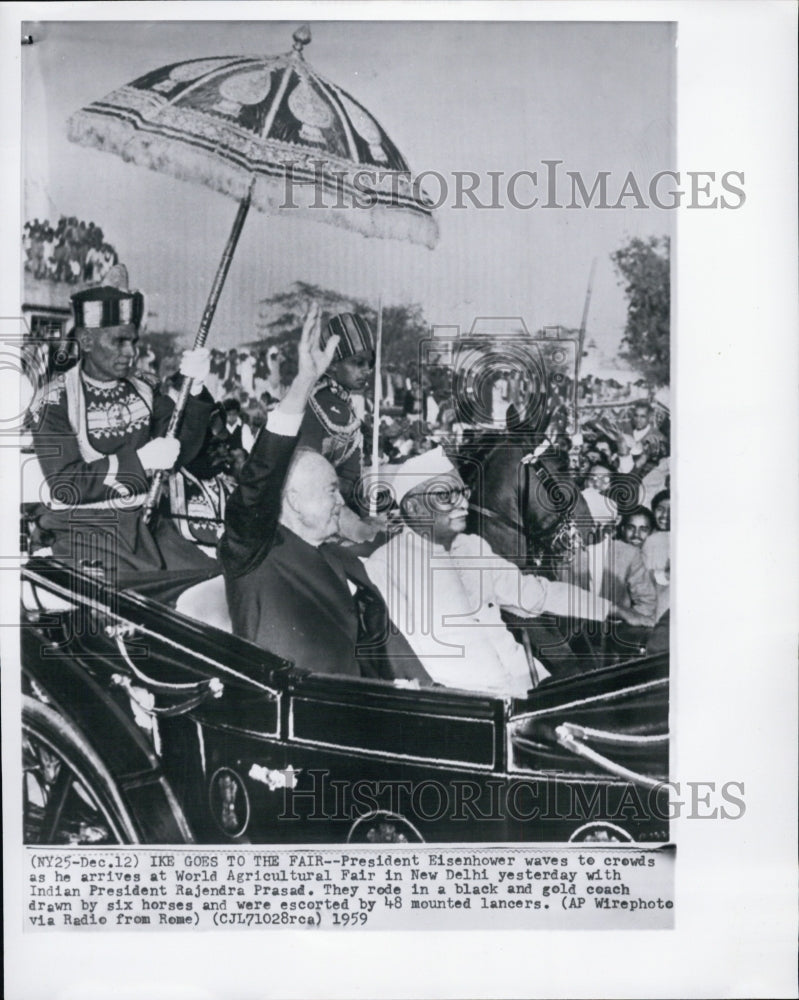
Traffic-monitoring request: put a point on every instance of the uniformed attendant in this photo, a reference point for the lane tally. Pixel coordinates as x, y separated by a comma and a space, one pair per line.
98, 431
331, 425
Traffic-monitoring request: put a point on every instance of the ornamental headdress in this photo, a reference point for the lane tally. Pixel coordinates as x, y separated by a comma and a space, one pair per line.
355, 335
109, 304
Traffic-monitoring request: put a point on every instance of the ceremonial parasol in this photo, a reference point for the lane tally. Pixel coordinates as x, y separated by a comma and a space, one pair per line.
268, 131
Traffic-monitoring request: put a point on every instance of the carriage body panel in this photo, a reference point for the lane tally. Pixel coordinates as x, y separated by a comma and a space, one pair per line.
209, 738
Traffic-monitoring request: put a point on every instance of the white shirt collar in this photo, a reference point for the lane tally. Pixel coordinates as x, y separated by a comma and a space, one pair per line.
99, 383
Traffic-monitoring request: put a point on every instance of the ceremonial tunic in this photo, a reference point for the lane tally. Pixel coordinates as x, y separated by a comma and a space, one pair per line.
312, 605
86, 434
332, 428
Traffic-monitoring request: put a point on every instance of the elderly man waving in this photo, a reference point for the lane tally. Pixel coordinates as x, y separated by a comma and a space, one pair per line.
444, 589
289, 590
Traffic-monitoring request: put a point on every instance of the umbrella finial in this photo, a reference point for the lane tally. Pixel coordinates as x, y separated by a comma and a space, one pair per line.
302, 37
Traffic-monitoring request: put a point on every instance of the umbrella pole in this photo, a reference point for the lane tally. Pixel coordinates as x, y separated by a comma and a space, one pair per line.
376, 410
200, 339
584, 320
581, 346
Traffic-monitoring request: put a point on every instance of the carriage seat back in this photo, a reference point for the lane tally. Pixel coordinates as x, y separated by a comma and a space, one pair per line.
206, 602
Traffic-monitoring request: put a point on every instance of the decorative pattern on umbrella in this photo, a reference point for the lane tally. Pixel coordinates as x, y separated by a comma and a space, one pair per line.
224, 121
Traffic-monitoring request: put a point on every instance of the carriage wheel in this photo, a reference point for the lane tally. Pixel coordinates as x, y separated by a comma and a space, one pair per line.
600, 833
68, 794
382, 827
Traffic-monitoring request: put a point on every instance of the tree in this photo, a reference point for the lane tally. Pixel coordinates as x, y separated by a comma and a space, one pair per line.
281, 316
643, 266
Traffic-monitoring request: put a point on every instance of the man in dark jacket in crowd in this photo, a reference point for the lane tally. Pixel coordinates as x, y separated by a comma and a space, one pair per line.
289, 590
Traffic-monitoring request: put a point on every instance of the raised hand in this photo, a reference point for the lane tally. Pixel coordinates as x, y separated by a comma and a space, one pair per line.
195, 365
313, 360
611, 428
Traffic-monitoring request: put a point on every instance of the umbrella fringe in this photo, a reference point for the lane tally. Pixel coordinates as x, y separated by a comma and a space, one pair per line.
378, 221
195, 164
160, 155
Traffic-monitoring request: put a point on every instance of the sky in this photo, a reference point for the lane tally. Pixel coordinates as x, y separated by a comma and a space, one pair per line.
454, 96
735, 319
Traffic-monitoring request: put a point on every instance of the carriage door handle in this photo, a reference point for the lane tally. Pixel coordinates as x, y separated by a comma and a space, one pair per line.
570, 736
194, 692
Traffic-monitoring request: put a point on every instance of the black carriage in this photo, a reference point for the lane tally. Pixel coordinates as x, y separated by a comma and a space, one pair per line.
144, 726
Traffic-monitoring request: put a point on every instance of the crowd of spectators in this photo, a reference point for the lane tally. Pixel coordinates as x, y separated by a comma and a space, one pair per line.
612, 563
72, 251
624, 471
624, 441
618, 455
593, 389
615, 438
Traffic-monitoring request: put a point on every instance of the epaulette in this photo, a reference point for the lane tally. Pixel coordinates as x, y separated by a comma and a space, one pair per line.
48, 394
333, 411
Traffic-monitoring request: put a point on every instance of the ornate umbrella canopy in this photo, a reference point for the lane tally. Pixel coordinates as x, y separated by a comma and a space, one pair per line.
303, 142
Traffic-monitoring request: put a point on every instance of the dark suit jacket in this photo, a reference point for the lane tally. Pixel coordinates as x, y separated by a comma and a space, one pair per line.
294, 599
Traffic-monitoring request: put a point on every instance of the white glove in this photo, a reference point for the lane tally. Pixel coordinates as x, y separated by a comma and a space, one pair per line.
160, 453
196, 365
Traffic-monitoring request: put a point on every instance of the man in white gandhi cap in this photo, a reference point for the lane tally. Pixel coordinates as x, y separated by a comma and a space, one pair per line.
445, 589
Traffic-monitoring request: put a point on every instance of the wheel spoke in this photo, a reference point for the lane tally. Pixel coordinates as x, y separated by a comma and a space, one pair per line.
64, 784
55, 804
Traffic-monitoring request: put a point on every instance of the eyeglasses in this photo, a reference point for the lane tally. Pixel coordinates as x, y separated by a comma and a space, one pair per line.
446, 498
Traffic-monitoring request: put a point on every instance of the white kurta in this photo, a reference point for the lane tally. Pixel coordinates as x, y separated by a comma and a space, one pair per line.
447, 605
603, 509
246, 373
656, 553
